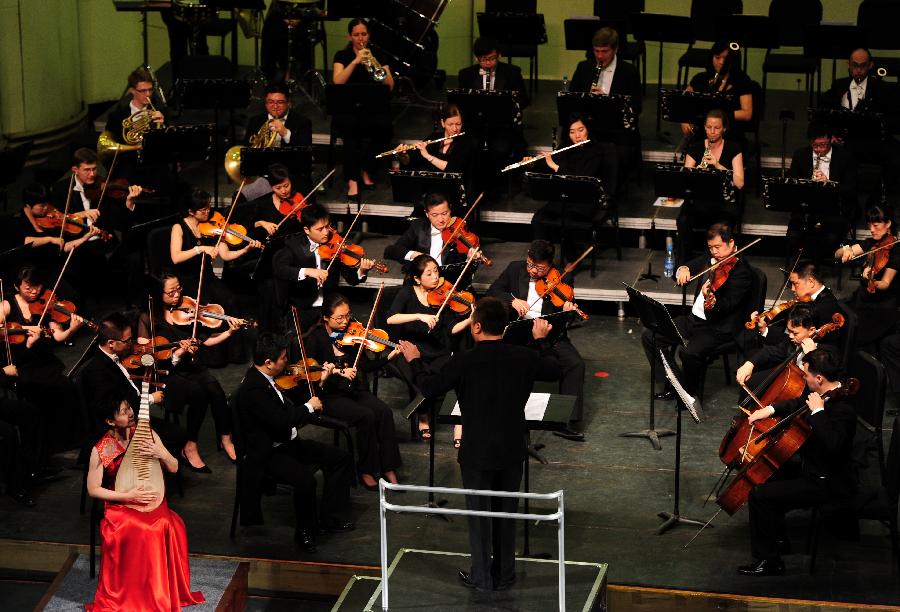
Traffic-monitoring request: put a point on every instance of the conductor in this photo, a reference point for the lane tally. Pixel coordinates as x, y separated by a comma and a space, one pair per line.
493, 382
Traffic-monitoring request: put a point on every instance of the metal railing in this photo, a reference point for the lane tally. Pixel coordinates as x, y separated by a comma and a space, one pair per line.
558, 517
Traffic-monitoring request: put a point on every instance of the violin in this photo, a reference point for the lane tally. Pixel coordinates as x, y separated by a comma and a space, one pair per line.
376, 340
159, 347
559, 292
16, 334
349, 254
60, 311
877, 260
115, 189
305, 369
286, 207
211, 315
720, 275
457, 233
770, 315
460, 302
235, 233
53, 219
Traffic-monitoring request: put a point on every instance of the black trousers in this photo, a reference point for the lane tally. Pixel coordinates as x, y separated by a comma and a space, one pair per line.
296, 462
702, 340
572, 381
434, 364
492, 541
198, 391
18, 437
376, 439
364, 137
890, 357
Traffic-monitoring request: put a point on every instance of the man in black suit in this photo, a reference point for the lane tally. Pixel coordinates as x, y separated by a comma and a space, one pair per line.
822, 161
270, 423
825, 473
493, 382
103, 378
605, 74
301, 274
141, 90
492, 74
716, 316
515, 287
290, 128
423, 236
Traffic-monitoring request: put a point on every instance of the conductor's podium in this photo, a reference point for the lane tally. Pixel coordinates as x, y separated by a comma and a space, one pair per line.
427, 580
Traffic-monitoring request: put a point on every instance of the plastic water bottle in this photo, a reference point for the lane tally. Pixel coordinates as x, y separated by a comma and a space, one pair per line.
669, 267
565, 83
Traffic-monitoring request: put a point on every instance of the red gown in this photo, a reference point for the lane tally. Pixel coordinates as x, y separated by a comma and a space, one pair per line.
144, 562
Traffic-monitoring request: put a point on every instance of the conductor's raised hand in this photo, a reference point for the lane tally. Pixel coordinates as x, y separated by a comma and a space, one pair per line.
540, 329
409, 350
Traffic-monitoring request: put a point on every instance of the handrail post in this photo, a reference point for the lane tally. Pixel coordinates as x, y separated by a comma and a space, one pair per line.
561, 542
382, 519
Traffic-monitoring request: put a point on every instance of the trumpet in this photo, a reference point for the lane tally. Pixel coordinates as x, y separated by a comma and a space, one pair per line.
377, 71
409, 147
525, 162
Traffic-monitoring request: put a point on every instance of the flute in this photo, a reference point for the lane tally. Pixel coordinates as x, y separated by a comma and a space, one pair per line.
537, 157
409, 147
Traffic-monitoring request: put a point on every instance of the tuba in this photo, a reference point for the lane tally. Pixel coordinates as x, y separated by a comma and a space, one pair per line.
263, 138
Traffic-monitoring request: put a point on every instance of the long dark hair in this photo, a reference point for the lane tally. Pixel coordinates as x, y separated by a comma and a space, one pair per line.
352, 24
417, 267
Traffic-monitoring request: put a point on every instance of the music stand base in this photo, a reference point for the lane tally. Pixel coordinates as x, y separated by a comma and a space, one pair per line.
653, 435
649, 275
436, 504
534, 453
672, 520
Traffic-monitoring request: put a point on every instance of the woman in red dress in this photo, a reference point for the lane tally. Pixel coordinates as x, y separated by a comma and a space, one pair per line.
144, 562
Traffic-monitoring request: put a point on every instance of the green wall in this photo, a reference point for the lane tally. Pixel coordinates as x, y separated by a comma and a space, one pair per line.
58, 55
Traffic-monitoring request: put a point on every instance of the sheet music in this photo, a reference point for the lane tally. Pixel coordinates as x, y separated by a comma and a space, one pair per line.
535, 407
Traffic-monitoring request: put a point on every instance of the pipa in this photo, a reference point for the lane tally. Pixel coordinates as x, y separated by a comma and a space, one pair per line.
138, 468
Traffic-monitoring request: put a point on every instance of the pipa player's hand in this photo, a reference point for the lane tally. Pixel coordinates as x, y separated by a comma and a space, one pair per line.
141, 494
153, 448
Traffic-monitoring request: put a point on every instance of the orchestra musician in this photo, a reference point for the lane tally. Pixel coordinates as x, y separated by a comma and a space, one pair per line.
822, 161
136, 543
718, 153
515, 287
141, 100
423, 236
595, 159
416, 321
20, 427
454, 154
875, 300
271, 424
301, 274
725, 76
826, 472
189, 383
490, 74
716, 315
286, 41
290, 128
493, 382
270, 210
365, 134
345, 393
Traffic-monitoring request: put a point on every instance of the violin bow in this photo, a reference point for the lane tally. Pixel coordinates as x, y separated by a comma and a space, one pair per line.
369, 324
787, 278
55, 287
459, 226
337, 251
9, 360
569, 267
300, 205
62, 228
453, 288
870, 251
719, 263
296, 315
109, 174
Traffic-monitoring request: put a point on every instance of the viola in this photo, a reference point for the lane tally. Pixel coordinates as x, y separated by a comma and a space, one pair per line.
879, 259
286, 206
376, 340
60, 311
159, 347
211, 315
457, 233
791, 434
348, 254
235, 233
720, 275
460, 302
559, 292
770, 315
305, 369
53, 219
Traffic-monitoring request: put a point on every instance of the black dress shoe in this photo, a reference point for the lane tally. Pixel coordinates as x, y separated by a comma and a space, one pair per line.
665, 396
766, 567
467, 581
306, 540
197, 470
570, 434
21, 497
335, 526
504, 585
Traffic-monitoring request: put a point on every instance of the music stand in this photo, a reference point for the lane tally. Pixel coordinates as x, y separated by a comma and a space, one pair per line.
692, 107
411, 186
181, 143
564, 189
496, 110
832, 41
217, 94
676, 181
852, 126
517, 33
812, 199
339, 9
355, 98
579, 31
256, 162
665, 29
609, 113
655, 317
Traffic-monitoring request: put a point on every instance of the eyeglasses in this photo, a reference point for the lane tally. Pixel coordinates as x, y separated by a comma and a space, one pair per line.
343, 317
539, 268
145, 91
489, 58
277, 102
173, 292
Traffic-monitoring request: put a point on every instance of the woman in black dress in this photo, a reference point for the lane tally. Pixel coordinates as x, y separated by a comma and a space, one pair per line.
456, 153
345, 394
365, 134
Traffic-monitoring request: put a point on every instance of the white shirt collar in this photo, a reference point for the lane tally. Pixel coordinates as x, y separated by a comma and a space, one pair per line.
313, 246
815, 296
